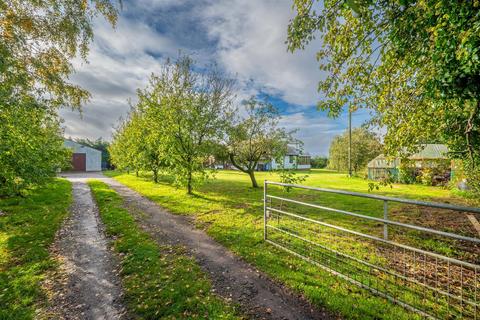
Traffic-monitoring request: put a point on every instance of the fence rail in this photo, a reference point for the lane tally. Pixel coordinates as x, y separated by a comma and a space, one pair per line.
429, 283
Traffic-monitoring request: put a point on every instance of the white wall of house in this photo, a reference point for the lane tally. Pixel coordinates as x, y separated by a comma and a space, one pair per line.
93, 157
290, 162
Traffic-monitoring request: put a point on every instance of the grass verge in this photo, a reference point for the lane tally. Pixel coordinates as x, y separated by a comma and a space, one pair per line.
232, 212
27, 228
159, 281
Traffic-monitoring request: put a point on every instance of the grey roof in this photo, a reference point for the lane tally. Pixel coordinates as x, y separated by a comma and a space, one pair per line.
431, 151
382, 162
294, 151
78, 146
428, 152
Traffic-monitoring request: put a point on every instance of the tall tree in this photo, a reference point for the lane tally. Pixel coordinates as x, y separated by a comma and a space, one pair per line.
256, 137
37, 41
31, 147
414, 62
365, 147
189, 112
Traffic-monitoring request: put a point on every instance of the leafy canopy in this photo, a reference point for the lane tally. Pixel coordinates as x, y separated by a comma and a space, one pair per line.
179, 118
365, 147
256, 137
415, 63
37, 41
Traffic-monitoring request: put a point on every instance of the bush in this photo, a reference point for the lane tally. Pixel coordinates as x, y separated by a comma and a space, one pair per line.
426, 176
31, 146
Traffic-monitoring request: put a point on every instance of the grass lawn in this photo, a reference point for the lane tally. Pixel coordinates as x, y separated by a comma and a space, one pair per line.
232, 213
26, 231
159, 281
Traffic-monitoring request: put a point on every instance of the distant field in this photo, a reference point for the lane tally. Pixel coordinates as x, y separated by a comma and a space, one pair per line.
232, 212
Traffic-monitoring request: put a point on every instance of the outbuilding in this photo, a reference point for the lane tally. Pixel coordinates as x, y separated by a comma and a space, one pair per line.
430, 156
84, 158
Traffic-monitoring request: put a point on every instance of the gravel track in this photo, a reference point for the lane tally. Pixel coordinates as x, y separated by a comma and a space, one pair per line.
258, 296
88, 286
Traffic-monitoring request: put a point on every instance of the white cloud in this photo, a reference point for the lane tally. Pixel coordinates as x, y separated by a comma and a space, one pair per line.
251, 43
120, 61
316, 132
245, 38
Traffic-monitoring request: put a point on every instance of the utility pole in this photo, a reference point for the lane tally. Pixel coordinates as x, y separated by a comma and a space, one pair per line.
349, 142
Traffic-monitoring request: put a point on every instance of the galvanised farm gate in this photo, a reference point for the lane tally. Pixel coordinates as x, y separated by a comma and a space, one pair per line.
424, 266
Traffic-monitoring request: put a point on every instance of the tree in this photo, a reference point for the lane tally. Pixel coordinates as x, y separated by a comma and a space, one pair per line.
188, 112
37, 41
319, 162
365, 147
31, 148
256, 137
415, 63
136, 146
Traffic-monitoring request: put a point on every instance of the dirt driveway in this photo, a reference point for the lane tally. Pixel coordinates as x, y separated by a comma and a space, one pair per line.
89, 287
232, 278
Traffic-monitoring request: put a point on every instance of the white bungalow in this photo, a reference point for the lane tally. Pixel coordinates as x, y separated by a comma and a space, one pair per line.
293, 159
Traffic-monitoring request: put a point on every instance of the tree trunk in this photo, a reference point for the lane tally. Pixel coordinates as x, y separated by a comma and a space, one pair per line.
136, 173
189, 183
155, 176
251, 173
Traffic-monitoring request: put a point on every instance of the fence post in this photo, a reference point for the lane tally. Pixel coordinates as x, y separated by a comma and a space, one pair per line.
385, 217
265, 210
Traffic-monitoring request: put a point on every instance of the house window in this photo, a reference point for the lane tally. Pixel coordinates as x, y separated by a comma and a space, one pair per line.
291, 159
304, 160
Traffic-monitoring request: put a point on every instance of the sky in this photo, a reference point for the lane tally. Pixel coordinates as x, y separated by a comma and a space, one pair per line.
245, 38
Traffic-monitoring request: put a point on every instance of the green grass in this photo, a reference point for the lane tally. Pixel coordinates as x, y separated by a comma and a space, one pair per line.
159, 281
26, 231
232, 213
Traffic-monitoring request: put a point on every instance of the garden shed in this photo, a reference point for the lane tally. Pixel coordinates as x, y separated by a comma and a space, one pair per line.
432, 156
84, 158
381, 168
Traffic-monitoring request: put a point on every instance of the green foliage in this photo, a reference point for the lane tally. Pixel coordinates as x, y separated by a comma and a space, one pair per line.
138, 145
365, 147
31, 146
426, 176
290, 177
27, 229
406, 172
37, 41
232, 215
160, 282
416, 64
178, 120
256, 137
319, 162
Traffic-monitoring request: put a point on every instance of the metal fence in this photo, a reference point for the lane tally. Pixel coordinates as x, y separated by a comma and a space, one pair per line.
398, 263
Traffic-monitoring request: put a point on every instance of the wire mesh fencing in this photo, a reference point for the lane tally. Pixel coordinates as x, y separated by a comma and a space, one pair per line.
397, 260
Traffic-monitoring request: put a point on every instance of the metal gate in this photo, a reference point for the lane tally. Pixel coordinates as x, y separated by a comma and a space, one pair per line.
406, 263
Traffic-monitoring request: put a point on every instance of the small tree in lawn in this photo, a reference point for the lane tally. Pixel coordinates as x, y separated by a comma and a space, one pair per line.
188, 111
256, 137
125, 150
138, 145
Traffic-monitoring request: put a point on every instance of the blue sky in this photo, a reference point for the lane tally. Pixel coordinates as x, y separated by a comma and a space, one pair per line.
245, 38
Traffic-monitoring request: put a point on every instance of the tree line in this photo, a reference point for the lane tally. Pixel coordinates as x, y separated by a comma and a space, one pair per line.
184, 121
38, 39
414, 65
